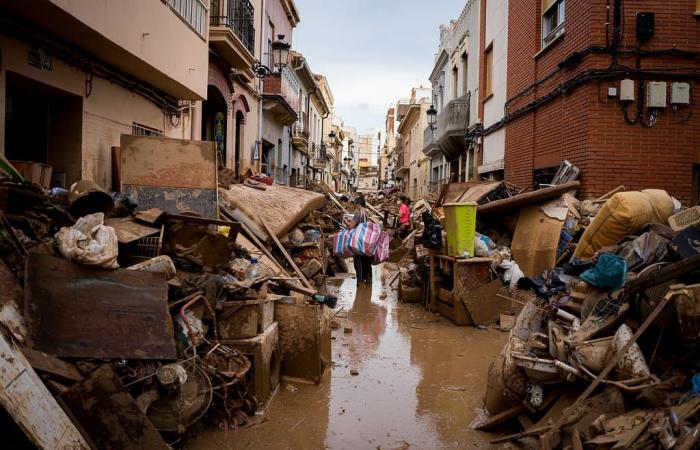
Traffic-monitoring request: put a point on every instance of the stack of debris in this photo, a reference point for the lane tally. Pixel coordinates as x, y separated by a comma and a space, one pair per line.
193, 326
602, 353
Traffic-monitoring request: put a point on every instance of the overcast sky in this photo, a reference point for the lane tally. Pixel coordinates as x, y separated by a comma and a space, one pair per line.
372, 51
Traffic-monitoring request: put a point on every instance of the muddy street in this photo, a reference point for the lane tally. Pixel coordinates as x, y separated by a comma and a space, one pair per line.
419, 380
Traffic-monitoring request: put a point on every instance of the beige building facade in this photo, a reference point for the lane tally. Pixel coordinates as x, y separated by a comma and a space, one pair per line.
413, 164
73, 79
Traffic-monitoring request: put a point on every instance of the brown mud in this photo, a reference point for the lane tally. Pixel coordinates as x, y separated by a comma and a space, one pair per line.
403, 378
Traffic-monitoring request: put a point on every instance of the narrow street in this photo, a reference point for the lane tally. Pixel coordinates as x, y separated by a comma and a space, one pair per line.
420, 380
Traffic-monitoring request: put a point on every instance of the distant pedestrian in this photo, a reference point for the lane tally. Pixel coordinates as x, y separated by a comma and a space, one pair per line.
404, 217
362, 263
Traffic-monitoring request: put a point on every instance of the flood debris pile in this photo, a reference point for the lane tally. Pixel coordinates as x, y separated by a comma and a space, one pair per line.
603, 352
146, 324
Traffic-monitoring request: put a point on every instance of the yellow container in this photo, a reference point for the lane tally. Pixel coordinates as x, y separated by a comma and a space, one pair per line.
460, 226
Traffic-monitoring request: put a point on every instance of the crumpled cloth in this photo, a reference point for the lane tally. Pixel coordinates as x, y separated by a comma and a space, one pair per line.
90, 242
609, 273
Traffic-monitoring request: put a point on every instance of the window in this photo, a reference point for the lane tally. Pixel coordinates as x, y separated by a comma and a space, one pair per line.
552, 20
488, 71
455, 83
193, 12
465, 78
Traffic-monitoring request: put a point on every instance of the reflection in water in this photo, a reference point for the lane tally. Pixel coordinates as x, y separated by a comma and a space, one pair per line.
419, 380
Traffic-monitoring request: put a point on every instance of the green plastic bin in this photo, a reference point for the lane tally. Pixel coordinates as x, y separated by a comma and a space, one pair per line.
460, 226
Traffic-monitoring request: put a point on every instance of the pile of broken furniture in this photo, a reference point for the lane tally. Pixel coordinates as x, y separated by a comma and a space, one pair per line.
131, 326
603, 352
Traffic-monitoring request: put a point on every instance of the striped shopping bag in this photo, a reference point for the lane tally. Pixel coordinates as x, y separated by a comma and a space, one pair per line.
341, 244
364, 238
381, 252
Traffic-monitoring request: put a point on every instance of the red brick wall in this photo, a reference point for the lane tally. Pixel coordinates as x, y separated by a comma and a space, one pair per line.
584, 125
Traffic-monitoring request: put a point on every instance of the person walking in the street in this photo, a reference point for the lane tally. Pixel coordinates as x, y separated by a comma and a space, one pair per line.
362, 263
404, 217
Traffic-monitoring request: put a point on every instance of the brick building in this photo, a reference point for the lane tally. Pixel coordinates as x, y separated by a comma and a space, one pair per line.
566, 98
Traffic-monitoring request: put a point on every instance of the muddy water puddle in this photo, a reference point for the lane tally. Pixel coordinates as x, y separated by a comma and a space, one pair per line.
401, 378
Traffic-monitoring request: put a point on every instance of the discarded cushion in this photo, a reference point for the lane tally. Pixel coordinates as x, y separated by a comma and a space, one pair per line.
625, 214
609, 272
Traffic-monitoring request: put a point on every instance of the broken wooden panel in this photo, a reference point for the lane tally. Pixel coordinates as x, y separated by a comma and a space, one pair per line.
25, 397
483, 303
109, 415
52, 365
11, 302
129, 231
305, 338
85, 312
173, 175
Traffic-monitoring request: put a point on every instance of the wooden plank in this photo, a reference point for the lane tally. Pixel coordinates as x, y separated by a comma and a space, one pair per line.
254, 239
27, 400
433, 297
289, 259
513, 204
337, 203
605, 197
129, 231
150, 216
85, 312
109, 415
51, 364
502, 417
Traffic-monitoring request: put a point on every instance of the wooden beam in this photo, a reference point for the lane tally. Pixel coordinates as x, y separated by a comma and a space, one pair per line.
51, 364
519, 201
27, 400
254, 239
289, 259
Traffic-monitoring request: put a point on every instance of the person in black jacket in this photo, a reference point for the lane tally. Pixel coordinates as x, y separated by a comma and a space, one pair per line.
362, 263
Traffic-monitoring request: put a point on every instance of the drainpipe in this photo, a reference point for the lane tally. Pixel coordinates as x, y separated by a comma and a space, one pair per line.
258, 142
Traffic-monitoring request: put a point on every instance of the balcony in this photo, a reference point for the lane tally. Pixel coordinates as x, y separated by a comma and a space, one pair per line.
430, 144
402, 162
300, 134
159, 44
452, 123
280, 92
232, 33
318, 164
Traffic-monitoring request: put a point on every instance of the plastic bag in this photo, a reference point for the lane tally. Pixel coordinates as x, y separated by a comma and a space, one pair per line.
89, 242
512, 273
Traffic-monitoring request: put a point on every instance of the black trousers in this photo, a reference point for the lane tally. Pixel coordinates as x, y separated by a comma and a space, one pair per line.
363, 267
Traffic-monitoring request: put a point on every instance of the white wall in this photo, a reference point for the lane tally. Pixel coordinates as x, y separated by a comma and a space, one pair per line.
496, 32
150, 32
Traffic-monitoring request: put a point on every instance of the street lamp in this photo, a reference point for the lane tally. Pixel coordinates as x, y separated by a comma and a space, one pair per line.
432, 117
280, 59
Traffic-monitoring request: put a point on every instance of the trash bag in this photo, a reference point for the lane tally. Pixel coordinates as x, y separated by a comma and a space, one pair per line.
89, 242
609, 273
432, 234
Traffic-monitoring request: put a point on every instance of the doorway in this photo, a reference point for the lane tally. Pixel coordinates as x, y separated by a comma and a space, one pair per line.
237, 146
44, 125
214, 127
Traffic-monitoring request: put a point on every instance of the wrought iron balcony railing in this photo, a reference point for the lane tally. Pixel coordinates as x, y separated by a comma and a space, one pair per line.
239, 16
